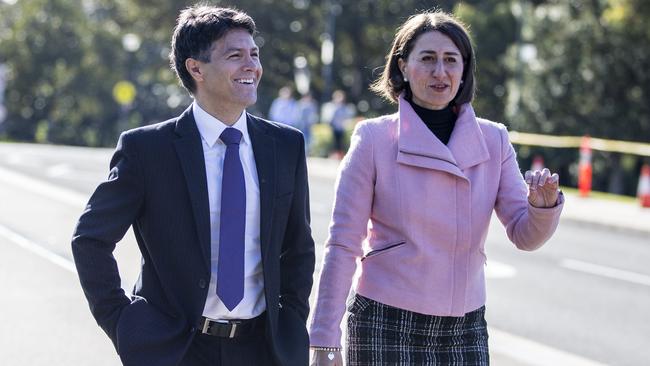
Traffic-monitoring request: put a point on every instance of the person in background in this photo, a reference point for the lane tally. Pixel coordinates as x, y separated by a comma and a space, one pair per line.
307, 116
283, 108
336, 112
219, 204
414, 198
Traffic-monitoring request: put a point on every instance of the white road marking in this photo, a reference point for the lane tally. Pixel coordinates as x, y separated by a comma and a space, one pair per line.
318, 208
604, 271
497, 270
522, 350
15, 159
322, 168
37, 249
59, 170
531, 353
59, 194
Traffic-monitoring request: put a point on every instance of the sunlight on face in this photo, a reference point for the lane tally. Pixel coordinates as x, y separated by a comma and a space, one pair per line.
231, 77
434, 70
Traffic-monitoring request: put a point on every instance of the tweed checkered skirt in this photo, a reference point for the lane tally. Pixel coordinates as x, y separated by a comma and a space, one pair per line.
379, 334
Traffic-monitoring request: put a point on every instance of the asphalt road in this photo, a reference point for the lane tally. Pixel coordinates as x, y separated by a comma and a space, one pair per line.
581, 299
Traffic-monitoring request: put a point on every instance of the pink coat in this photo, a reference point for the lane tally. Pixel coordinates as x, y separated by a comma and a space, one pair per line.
416, 213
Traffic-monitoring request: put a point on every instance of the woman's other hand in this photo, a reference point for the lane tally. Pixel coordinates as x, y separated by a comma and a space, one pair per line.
543, 187
326, 358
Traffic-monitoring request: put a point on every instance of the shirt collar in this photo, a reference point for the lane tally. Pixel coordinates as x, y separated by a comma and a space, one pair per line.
211, 128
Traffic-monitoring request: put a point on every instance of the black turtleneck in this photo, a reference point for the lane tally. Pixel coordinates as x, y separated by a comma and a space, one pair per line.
440, 122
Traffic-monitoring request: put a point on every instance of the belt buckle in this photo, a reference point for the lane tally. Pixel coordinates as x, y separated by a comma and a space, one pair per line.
233, 328
206, 326
232, 324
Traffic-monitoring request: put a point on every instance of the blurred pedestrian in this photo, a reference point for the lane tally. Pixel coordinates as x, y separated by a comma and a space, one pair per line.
306, 116
337, 113
414, 198
283, 108
227, 253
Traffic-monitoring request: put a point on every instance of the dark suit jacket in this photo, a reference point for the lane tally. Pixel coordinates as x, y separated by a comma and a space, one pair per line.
157, 184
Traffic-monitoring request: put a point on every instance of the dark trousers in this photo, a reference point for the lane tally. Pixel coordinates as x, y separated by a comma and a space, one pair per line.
250, 350
338, 140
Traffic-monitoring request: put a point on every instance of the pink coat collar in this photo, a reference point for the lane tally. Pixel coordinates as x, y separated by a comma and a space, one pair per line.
419, 147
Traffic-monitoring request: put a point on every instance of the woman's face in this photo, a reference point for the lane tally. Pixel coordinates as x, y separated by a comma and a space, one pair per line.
434, 70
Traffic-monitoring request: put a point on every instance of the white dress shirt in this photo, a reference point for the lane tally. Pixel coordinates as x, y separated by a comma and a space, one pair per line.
214, 151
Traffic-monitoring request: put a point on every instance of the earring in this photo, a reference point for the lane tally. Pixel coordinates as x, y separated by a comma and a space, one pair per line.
406, 80
461, 82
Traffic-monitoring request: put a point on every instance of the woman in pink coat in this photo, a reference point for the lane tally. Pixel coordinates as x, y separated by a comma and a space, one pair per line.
413, 203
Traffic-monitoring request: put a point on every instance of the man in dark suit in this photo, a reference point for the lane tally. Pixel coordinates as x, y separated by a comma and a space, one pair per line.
218, 201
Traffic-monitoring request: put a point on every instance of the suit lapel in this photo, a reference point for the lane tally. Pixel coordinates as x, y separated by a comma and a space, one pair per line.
190, 154
264, 152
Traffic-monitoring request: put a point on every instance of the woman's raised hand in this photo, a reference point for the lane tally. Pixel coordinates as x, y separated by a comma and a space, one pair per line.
543, 188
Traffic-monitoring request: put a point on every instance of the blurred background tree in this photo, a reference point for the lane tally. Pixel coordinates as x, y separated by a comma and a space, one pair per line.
583, 67
562, 67
494, 30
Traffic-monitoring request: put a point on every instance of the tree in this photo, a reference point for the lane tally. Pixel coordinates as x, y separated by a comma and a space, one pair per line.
64, 57
494, 29
583, 69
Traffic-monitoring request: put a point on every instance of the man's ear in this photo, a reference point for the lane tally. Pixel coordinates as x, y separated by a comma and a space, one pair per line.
194, 68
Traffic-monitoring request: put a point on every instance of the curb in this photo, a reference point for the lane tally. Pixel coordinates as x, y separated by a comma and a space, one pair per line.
629, 230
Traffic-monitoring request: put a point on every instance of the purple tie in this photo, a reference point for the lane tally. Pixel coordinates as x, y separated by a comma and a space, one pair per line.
230, 267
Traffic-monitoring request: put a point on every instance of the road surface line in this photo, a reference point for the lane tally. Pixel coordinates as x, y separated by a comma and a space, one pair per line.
37, 249
526, 351
494, 270
59, 170
531, 353
603, 271
63, 195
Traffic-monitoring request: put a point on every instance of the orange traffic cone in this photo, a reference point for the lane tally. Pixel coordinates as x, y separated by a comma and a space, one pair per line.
643, 191
584, 168
538, 163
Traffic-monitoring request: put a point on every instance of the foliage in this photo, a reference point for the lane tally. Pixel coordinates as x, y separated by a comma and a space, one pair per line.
494, 30
590, 72
582, 68
70, 55
551, 66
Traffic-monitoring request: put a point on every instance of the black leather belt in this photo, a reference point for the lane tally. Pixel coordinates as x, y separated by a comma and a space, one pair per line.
231, 328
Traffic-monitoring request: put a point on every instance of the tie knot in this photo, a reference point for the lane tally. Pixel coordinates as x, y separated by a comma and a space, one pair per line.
231, 136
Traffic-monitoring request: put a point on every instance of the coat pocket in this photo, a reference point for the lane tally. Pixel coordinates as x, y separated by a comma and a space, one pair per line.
141, 328
383, 250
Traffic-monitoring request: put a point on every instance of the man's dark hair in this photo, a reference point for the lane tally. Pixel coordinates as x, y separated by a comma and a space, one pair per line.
196, 30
